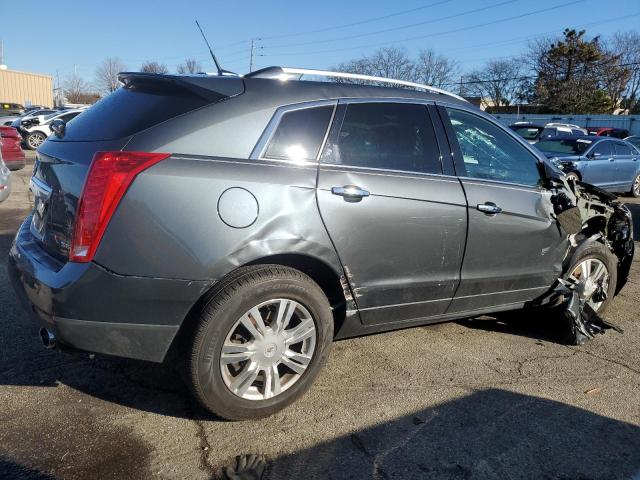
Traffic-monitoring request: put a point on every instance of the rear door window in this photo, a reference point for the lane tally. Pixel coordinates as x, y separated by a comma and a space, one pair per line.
622, 149
299, 134
390, 136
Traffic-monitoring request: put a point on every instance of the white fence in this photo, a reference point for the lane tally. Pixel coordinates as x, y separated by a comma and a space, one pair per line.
628, 122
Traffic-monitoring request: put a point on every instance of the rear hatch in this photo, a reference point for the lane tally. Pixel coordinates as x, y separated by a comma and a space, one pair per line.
62, 164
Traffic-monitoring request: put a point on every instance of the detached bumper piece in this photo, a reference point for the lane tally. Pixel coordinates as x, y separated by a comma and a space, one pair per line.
584, 321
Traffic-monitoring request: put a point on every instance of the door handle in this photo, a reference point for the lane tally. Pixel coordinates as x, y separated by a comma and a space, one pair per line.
351, 193
611, 159
489, 208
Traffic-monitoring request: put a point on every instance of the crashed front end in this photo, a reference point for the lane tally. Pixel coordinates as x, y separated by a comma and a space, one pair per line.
588, 214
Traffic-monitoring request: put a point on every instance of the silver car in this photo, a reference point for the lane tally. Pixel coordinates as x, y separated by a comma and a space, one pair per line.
5, 181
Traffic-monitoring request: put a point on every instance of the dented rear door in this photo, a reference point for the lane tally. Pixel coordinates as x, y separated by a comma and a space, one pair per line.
397, 220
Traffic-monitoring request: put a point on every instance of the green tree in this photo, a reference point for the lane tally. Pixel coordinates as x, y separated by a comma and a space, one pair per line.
570, 73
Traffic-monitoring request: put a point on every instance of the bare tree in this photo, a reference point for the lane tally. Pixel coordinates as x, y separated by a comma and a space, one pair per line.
436, 70
154, 67
190, 65
627, 46
107, 74
388, 62
499, 82
77, 90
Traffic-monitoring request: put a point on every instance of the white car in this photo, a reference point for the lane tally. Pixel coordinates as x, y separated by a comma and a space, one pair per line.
38, 132
10, 120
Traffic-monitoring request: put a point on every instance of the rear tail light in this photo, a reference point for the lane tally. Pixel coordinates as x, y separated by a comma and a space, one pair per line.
109, 177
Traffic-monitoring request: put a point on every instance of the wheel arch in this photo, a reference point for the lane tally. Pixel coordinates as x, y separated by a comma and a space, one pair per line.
332, 283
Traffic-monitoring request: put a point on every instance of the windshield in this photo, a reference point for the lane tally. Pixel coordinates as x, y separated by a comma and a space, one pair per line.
565, 146
528, 133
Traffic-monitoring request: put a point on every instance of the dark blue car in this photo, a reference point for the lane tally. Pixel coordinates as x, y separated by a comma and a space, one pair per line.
605, 162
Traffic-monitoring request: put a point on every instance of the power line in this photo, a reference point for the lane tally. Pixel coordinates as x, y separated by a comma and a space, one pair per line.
401, 27
420, 37
352, 24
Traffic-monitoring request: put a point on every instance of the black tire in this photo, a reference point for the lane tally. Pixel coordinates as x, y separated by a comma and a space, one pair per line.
635, 187
600, 252
231, 299
31, 141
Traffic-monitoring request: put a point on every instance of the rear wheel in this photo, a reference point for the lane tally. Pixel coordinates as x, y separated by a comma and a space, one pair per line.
34, 140
635, 187
259, 342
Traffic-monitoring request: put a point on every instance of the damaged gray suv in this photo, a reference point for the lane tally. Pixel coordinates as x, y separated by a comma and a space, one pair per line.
238, 225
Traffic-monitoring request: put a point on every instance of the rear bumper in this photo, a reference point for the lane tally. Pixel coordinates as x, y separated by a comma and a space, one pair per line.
90, 308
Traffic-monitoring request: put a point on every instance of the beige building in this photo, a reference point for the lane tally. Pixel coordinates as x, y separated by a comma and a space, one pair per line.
26, 88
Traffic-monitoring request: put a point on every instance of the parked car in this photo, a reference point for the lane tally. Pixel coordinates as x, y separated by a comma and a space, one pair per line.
237, 225
608, 132
634, 140
559, 129
11, 149
5, 180
610, 164
10, 108
14, 120
35, 130
529, 131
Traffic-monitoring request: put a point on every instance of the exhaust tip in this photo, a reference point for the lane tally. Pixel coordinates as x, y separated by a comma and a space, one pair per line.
48, 338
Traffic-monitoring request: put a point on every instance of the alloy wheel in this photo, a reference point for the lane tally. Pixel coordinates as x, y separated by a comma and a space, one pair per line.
35, 140
591, 275
268, 349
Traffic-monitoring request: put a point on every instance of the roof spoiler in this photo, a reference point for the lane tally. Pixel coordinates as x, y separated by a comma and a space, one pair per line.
209, 87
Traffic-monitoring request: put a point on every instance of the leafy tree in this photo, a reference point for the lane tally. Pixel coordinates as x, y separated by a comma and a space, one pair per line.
569, 75
154, 67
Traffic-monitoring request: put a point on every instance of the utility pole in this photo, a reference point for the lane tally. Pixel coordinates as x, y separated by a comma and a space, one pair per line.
251, 57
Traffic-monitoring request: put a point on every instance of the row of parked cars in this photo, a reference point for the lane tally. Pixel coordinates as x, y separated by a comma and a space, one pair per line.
605, 157
34, 123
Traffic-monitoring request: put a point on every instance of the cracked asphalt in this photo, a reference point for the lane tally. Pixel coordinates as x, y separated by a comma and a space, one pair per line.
476, 399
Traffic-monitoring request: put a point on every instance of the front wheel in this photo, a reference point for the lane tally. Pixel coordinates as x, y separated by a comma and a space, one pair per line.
635, 187
34, 140
259, 343
572, 177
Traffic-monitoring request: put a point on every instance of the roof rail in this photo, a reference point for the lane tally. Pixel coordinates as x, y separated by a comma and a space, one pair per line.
285, 73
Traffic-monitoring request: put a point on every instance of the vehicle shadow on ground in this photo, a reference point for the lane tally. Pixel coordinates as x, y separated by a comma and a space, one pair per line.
490, 434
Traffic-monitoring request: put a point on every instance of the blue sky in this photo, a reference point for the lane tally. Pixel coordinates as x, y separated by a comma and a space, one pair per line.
75, 34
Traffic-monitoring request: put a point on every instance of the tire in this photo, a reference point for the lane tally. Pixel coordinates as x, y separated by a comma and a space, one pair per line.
34, 140
222, 322
635, 187
572, 176
600, 253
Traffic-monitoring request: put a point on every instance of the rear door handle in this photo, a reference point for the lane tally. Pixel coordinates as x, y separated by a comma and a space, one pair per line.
489, 208
350, 192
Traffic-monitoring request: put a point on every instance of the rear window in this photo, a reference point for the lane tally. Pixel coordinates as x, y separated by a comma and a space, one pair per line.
622, 149
528, 133
130, 110
568, 146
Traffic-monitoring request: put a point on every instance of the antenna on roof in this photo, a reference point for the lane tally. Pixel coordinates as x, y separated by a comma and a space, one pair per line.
221, 71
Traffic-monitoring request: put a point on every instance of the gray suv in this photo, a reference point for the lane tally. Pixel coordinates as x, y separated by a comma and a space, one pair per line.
238, 225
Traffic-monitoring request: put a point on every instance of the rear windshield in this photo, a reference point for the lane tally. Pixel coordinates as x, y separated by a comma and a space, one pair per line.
528, 133
569, 146
130, 110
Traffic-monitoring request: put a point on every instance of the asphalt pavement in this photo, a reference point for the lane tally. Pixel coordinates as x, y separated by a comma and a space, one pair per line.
475, 399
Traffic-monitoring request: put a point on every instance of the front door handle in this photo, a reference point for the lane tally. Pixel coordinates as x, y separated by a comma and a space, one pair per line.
489, 208
351, 193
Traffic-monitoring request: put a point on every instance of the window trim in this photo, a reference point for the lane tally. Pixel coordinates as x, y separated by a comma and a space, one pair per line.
340, 112
457, 153
259, 151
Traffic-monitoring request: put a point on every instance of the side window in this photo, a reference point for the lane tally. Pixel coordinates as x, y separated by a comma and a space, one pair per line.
490, 153
390, 136
622, 149
603, 148
69, 116
299, 134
